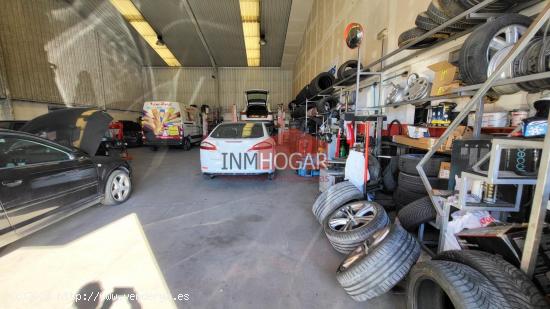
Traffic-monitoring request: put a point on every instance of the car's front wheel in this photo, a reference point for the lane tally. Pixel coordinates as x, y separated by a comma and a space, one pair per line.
118, 188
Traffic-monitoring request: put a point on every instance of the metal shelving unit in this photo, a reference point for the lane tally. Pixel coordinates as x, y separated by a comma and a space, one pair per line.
476, 92
540, 200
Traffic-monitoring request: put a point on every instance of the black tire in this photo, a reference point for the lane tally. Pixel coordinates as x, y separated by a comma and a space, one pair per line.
347, 69
345, 241
320, 83
412, 34
334, 197
413, 183
403, 198
495, 7
473, 61
112, 197
389, 175
380, 266
416, 213
516, 287
463, 286
424, 22
436, 13
452, 8
408, 163
186, 144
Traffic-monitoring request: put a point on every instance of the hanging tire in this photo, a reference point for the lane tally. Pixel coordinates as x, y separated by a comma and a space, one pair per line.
516, 287
495, 7
346, 70
452, 8
321, 82
412, 34
436, 13
443, 284
117, 188
484, 43
378, 264
424, 22
416, 213
403, 198
334, 197
408, 163
351, 224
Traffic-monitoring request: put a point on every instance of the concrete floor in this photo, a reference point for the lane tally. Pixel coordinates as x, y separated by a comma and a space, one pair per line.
225, 242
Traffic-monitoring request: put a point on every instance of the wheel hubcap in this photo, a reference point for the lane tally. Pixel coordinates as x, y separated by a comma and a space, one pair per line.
499, 47
352, 216
120, 187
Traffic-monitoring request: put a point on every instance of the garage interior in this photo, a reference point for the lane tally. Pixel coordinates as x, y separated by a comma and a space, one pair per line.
408, 160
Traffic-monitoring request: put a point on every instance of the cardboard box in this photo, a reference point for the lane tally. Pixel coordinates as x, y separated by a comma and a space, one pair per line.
417, 132
445, 79
445, 170
460, 133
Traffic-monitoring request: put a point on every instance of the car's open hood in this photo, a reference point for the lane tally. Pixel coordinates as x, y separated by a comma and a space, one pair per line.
82, 128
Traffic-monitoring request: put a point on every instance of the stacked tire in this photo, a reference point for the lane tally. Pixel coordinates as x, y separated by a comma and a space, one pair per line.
471, 279
379, 255
409, 184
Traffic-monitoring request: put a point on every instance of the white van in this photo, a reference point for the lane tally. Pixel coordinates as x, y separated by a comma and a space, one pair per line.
171, 124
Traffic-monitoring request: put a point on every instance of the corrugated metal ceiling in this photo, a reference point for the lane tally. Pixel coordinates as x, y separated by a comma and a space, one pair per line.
218, 20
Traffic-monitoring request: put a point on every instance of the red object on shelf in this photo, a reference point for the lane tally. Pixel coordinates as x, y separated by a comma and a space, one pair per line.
116, 129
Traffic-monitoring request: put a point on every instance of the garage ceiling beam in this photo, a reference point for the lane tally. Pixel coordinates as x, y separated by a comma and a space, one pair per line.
199, 32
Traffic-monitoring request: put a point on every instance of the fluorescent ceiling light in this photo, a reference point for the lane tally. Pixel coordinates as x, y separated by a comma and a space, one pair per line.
132, 15
250, 15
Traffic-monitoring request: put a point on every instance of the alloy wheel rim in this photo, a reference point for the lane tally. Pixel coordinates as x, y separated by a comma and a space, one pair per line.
500, 46
120, 187
352, 216
363, 250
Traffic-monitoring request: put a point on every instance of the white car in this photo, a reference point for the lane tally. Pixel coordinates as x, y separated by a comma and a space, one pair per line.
239, 148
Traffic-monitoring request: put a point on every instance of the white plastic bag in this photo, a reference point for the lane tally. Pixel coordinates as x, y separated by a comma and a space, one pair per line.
465, 220
355, 169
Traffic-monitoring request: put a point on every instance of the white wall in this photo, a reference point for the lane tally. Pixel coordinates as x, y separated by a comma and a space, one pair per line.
52, 55
196, 85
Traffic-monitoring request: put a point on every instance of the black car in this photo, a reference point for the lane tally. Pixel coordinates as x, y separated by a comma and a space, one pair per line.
12, 124
132, 133
48, 177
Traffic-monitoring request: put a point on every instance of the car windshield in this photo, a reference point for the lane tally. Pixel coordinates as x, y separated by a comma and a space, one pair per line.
238, 130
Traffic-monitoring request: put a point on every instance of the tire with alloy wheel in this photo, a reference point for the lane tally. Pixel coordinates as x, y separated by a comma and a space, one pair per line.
379, 263
416, 213
516, 287
348, 226
118, 187
485, 42
334, 197
444, 284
